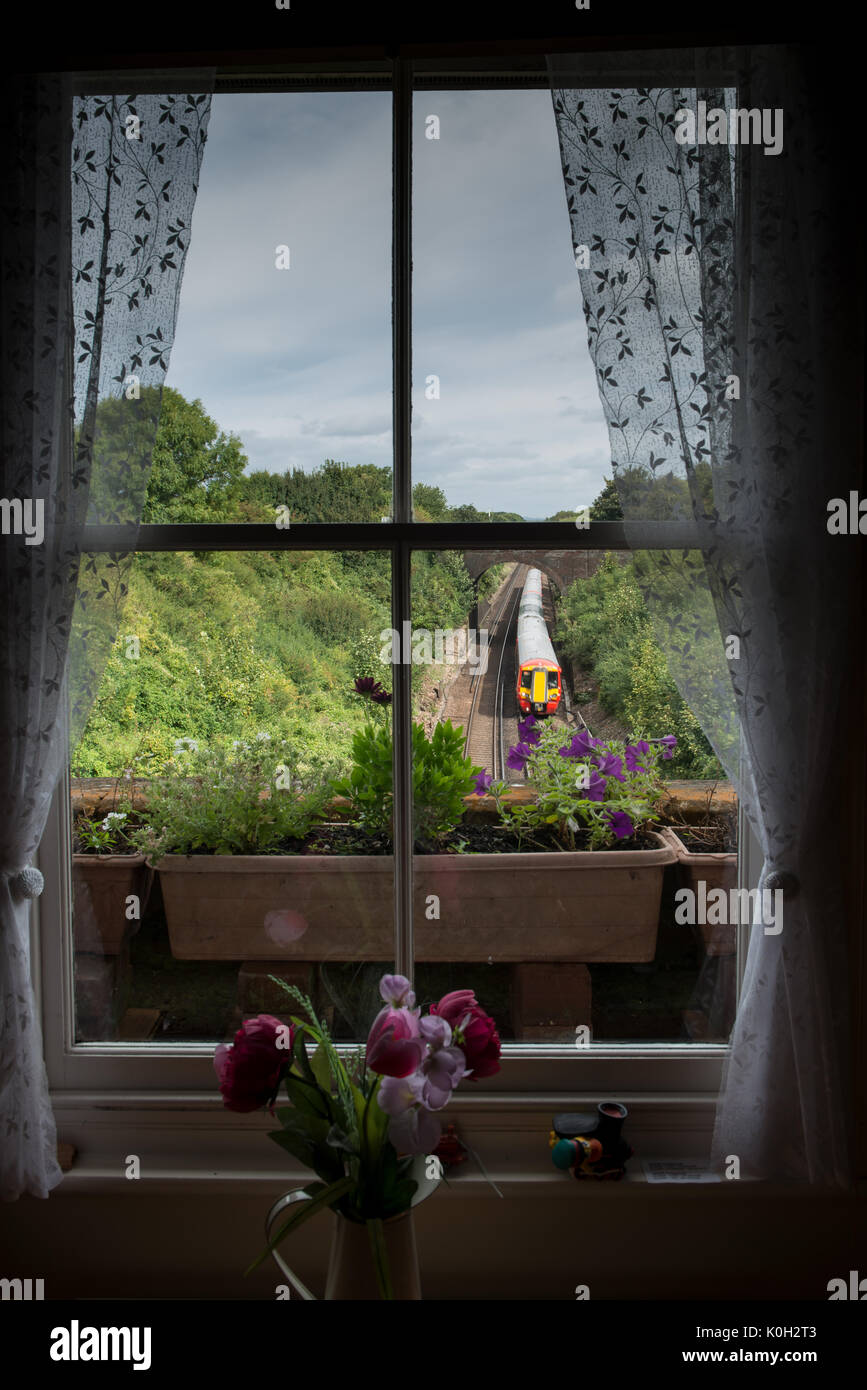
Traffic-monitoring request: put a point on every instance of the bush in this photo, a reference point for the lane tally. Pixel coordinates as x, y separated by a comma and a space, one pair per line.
603, 624
248, 799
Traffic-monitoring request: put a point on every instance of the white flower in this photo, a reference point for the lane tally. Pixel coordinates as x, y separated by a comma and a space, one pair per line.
263, 738
186, 745
113, 819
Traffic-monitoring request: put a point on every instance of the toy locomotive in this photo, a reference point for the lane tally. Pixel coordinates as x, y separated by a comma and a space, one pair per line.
591, 1146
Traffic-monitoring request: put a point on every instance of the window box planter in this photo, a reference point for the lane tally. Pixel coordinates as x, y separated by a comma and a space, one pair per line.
584, 906
101, 885
716, 871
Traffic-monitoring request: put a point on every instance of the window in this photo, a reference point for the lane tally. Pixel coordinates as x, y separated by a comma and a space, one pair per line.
398, 571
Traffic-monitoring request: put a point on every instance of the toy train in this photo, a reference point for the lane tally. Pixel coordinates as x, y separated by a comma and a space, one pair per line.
540, 680
591, 1146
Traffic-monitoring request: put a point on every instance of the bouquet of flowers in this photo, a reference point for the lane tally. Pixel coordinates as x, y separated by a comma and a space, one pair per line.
359, 1122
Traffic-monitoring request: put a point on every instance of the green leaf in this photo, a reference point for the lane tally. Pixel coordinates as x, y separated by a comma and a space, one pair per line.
380, 1257
325, 1197
306, 1138
320, 1067
307, 1098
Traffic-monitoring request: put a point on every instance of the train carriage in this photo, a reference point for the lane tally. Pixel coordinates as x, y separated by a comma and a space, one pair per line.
540, 680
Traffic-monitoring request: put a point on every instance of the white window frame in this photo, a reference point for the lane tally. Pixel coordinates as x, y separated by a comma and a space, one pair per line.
111, 1099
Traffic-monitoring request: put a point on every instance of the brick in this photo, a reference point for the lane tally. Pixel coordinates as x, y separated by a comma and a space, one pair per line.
550, 1000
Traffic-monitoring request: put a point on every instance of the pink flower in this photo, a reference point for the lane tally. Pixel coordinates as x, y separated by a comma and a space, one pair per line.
251, 1069
474, 1032
452, 1007
394, 1047
412, 1129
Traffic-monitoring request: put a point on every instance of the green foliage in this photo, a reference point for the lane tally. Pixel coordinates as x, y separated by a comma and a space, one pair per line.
250, 799
196, 468
233, 641
108, 836
562, 801
441, 778
603, 624
607, 505
429, 503
653, 701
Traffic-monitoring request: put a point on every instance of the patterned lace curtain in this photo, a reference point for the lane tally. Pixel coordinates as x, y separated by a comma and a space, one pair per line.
97, 199
719, 319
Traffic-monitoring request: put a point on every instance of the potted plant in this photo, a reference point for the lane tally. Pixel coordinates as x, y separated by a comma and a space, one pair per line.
226, 831
248, 874
590, 860
706, 850
361, 1123
111, 881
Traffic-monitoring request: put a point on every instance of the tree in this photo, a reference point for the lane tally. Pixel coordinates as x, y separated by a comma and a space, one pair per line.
607, 505
197, 468
429, 503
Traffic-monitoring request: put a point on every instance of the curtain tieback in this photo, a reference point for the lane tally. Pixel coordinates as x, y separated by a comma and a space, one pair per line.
25, 883
782, 880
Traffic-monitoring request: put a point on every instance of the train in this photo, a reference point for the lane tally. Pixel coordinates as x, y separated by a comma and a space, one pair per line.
540, 679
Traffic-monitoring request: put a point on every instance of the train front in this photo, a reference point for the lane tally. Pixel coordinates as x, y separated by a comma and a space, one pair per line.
540, 684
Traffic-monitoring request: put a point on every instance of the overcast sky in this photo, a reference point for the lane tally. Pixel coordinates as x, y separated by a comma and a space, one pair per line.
298, 362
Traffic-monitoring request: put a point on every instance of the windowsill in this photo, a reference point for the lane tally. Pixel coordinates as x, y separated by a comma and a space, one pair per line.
187, 1141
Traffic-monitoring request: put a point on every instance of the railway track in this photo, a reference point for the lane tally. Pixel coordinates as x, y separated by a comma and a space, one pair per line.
492, 722
485, 740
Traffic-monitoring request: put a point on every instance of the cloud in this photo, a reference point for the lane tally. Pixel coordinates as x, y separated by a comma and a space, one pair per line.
298, 362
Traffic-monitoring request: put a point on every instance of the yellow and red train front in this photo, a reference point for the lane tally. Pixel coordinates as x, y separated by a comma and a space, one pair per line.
539, 688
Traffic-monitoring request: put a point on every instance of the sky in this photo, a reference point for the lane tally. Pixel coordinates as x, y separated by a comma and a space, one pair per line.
297, 361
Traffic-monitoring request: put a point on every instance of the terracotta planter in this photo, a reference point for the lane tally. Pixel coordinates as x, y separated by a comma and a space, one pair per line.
583, 906
101, 885
716, 871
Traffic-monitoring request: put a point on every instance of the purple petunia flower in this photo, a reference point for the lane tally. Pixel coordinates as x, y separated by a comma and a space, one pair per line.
595, 791
582, 746
611, 766
518, 756
634, 751
483, 781
669, 743
621, 824
528, 730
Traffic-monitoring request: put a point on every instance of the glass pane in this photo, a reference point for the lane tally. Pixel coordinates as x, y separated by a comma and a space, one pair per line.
225, 722
566, 871
507, 421
284, 326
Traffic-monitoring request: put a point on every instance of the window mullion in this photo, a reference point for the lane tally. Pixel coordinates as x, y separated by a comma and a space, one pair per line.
402, 505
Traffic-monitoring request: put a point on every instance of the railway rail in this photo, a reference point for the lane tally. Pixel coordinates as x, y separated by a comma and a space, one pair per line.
487, 745
490, 750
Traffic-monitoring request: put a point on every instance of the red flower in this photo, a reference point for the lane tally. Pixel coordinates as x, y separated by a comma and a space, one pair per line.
250, 1071
474, 1031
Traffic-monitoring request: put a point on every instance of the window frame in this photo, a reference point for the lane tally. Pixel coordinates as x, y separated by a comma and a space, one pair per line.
96, 1088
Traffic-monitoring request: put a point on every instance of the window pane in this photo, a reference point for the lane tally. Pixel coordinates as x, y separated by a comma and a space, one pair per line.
506, 418
284, 326
542, 884
225, 721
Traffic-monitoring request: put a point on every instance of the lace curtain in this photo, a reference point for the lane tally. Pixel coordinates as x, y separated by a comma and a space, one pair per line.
97, 201
720, 324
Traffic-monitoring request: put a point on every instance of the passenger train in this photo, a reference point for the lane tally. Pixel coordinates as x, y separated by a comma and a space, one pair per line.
540, 680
